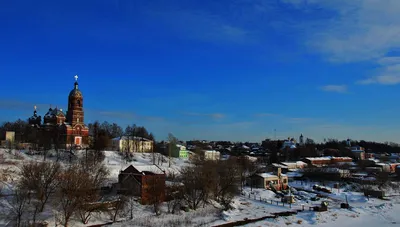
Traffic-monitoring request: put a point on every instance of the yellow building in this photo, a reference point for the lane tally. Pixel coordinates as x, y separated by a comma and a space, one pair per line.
132, 144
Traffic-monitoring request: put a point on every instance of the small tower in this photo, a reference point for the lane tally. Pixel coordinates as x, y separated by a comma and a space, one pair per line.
35, 120
348, 143
301, 140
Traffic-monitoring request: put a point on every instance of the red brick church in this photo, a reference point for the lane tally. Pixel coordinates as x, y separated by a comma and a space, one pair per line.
69, 129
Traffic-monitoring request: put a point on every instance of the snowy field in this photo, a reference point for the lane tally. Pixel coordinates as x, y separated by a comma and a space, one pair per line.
368, 213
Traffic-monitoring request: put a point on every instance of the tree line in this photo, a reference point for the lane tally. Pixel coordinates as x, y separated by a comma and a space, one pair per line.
330, 147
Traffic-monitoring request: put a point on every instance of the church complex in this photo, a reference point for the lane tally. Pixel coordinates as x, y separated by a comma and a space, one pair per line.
69, 129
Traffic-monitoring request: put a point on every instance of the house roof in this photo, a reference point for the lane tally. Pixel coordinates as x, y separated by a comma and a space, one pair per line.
130, 138
149, 168
266, 175
143, 169
269, 175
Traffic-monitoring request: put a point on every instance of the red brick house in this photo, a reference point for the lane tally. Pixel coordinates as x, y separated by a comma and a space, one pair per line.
144, 181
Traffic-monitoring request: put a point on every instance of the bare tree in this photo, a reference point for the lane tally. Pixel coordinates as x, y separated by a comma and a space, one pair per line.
41, 178
195, 190
97, 174
174, 194
131, 203
85, 209
75, 189
19, 204
227, 182
120, 204
247, 168
172, 148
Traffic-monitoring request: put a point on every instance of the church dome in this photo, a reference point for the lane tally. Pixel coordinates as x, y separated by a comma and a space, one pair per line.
75, 92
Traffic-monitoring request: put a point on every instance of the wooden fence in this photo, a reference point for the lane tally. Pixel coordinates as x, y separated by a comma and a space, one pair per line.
298, 207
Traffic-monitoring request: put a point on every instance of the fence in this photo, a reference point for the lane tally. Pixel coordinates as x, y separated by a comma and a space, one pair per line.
299, 207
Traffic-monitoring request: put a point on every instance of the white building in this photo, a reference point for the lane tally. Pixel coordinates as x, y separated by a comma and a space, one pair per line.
212, 155
132, 144
291, 143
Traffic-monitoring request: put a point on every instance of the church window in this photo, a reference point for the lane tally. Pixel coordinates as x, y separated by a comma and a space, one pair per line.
79, 103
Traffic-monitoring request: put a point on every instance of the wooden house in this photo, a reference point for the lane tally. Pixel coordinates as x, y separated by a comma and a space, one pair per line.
144, 181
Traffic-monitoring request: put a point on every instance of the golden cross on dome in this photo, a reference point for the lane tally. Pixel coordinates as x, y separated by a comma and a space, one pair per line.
76, 77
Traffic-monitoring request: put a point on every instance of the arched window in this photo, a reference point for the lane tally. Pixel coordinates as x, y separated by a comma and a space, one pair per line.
79, 103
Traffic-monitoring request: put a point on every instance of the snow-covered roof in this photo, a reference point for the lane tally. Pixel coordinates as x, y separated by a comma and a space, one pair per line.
269, 175
279, 165
320, 158
294, 163
130, 138
266, 175
149, 168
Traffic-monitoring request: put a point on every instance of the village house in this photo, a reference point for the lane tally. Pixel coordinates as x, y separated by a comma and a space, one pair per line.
325, 161
132, 144
276, 181
144, 181
183, 152
294, 165
212, 155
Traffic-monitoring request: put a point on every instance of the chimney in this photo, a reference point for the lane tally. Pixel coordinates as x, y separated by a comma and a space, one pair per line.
279, 172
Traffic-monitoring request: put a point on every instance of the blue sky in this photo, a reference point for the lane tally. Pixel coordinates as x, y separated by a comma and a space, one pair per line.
226, 69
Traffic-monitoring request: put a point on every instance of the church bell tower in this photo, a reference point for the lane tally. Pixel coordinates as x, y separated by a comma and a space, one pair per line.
75, 114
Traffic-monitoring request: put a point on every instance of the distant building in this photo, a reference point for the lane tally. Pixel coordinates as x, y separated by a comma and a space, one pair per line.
183, 152
10, 137
132, 144
68, 128
289, 143
212, 155
301, 140
324, 161
358, 152
348, 143
276, 181
294, 165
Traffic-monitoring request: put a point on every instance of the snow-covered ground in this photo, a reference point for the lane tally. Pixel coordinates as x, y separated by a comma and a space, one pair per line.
366, 212
372, 212
115, 162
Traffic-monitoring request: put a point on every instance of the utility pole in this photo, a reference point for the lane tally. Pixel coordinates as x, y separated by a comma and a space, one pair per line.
169, 153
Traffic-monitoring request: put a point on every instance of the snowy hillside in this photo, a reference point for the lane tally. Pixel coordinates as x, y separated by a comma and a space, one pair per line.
252, 204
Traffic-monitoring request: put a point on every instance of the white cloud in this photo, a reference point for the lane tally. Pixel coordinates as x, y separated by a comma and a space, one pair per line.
359, 30
356, 31
389, 73
334, 88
